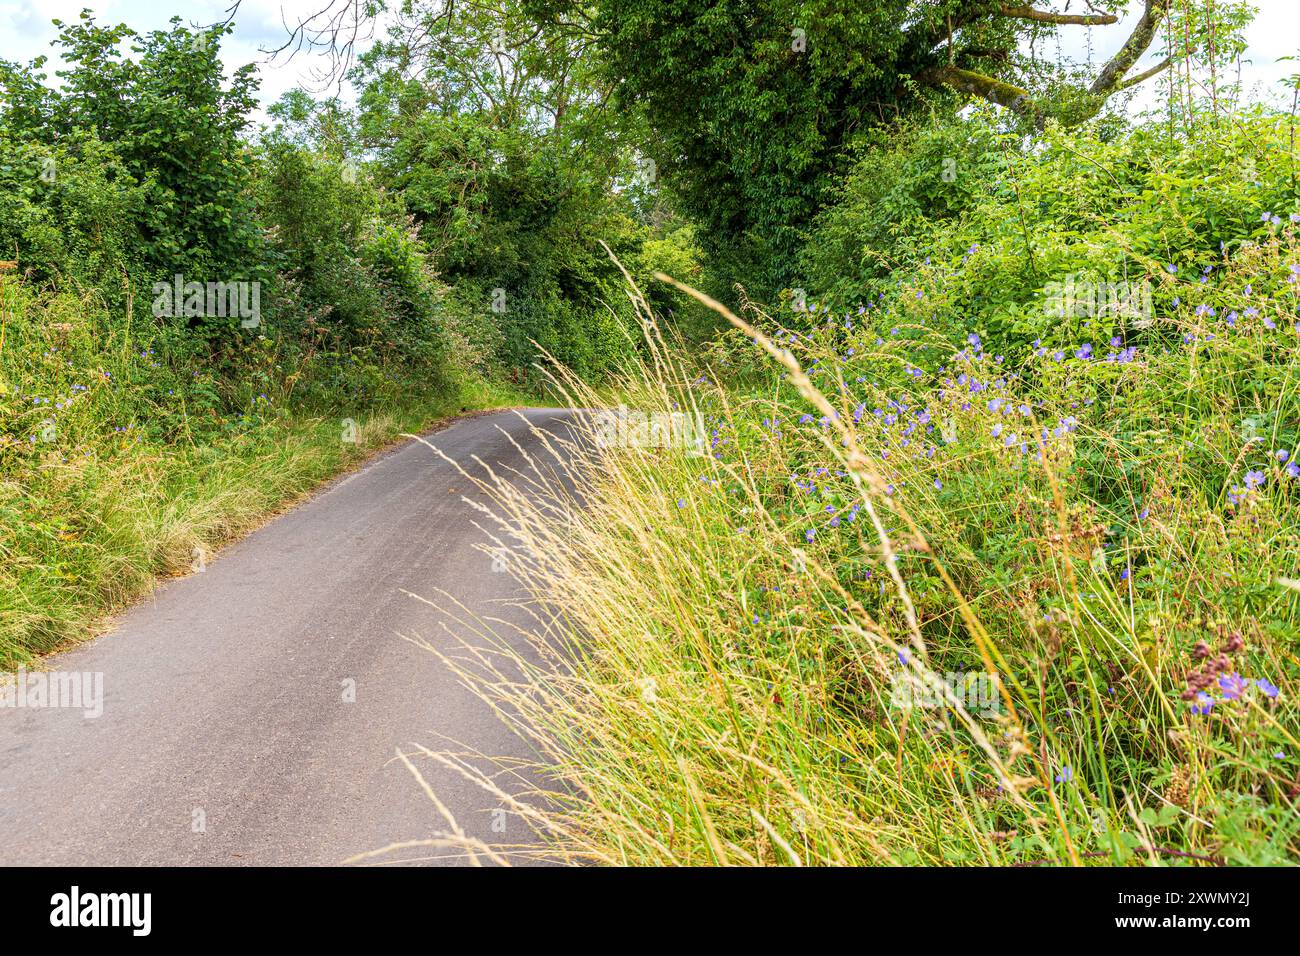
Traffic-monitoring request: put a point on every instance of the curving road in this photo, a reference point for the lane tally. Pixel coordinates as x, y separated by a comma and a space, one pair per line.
226, 735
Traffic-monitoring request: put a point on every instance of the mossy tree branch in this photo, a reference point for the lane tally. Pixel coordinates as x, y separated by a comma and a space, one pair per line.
1110, 80
1065, 19
1112, 74
986, 87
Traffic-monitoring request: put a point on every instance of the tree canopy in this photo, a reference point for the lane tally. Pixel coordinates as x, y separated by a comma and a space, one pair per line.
752, 102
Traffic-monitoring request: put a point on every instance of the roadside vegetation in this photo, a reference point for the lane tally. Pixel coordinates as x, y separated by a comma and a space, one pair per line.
983, 547
372, 274
945, 506
941, 590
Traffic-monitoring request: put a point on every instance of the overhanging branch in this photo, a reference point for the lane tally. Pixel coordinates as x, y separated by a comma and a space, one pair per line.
1112, 74
986, 87
1065, 19
1146, 74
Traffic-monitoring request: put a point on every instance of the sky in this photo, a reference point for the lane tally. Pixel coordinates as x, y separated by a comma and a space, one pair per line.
26, 32
1274, 33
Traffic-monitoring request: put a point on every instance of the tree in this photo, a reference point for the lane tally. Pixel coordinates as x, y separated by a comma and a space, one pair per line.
167, 121
753, 102
752, 105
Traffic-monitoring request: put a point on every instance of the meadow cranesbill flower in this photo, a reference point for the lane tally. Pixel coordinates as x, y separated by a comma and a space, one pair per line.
1233, 686
1270, 690
1204, 703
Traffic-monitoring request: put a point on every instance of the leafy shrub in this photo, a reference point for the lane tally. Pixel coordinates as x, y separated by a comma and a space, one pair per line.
1082, 205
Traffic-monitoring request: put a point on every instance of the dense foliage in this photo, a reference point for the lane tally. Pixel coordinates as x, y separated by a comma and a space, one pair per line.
389, 263
979, 571
1013, 396
754, 104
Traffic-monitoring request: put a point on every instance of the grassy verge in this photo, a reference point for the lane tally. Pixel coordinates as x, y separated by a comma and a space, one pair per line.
120, 463
921, 604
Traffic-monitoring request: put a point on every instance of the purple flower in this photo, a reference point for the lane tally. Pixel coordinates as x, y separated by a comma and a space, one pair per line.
810, 534
1066, 775
1204, 703
1270, 690
1233, 686
1254, 479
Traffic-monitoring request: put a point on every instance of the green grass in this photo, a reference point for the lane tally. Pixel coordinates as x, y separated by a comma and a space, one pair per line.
120, 464
741, 629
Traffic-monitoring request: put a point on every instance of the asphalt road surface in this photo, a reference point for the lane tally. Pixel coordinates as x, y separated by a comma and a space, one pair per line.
226, 736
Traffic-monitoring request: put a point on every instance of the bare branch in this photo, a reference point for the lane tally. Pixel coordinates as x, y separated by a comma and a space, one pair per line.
338, 29
1147, 74
1065, 19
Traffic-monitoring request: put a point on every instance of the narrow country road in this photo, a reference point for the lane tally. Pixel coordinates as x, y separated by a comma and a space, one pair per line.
227, 737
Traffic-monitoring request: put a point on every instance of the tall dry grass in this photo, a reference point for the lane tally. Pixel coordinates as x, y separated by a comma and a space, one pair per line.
716, 682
